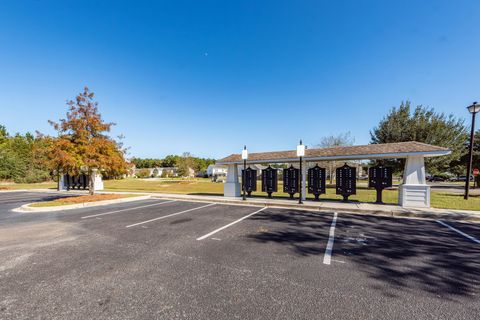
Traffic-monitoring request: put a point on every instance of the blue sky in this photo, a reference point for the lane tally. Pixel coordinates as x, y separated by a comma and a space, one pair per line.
210, 76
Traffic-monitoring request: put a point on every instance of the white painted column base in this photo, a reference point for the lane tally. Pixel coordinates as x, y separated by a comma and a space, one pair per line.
62, 185
414, 192
414, 195
98, 183
232, 187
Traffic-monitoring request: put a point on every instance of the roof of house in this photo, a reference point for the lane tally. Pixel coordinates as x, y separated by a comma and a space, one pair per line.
370, 151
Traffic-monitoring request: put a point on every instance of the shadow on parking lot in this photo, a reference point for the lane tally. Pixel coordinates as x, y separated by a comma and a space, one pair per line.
304, 232
39, 198
401, 254
413, 254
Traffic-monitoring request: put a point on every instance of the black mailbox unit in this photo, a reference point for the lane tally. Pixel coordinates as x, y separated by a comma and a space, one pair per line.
346, 181
380, 177
76, 182
249, 177
291, 180
316, 181
269, 181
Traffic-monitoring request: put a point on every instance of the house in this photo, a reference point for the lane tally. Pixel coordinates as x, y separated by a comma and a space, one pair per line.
160, 171
131, 169
254, 166
165, 172
216, 170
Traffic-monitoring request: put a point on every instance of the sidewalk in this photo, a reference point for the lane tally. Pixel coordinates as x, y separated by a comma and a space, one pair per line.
331, 206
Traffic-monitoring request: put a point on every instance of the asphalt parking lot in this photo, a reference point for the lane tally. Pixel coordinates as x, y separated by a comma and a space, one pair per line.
161, 259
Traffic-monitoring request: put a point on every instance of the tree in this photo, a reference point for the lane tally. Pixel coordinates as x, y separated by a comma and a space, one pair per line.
339, 140
201, 164
184, 164
22, 157
82, 144
461, 164
170, 161
143, 173
423, 125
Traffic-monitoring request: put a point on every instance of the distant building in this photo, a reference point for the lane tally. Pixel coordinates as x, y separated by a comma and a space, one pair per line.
131, 169
217, 170
257, 167
160, 171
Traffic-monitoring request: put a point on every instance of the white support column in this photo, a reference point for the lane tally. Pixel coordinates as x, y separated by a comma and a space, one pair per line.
62, 182
98, 182
232, 186
304, 180
414, 192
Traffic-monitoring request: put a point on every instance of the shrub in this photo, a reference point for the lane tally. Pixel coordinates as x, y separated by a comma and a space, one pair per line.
143, 173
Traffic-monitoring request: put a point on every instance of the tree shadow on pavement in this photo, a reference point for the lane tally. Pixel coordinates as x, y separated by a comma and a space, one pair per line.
398, 253
409, 253
303, 231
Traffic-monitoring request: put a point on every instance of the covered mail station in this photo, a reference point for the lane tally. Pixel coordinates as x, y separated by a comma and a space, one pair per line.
413, 192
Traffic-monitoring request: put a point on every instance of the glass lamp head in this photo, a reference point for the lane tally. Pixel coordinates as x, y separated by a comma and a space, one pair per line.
300, 150
244, 153
474, 108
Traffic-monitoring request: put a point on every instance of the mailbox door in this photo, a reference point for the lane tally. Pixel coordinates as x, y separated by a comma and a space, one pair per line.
316, 180
346, 180
269, 180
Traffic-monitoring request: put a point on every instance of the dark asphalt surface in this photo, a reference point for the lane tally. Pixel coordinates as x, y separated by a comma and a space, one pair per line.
269, 266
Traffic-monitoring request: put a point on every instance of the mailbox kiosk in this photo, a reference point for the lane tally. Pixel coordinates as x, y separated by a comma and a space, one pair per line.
249, 178
316, 181
291, 180
76, 182
269, 181
379, 177
346, 181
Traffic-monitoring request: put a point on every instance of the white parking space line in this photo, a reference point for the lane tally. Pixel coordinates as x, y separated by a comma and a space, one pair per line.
230, 224
459, 232
327, 258
169, 215
127, 209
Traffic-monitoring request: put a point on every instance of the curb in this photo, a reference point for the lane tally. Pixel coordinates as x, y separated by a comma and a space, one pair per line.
425, 214
27, 208
400, 213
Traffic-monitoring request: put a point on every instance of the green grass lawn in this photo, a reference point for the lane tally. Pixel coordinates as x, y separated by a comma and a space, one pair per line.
181, 186
28, 186
439, 199
200, 186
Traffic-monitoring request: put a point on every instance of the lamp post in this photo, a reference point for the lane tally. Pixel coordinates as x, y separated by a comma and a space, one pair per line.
473, 109
244, 158
300, 154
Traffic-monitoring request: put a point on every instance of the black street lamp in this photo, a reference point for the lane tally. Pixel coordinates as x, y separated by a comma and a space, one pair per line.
473, 109
244, 158
300, 153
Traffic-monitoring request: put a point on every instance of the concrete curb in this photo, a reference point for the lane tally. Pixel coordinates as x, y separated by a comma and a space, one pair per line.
355, 208
27, 208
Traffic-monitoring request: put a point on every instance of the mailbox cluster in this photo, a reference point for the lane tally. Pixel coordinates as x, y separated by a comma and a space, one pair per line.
291, 180
76, 182
269, 181
249, 180
346, 181
316, 181
379, 177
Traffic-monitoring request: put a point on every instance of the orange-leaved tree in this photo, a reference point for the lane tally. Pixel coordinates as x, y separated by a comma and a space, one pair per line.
83, 143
